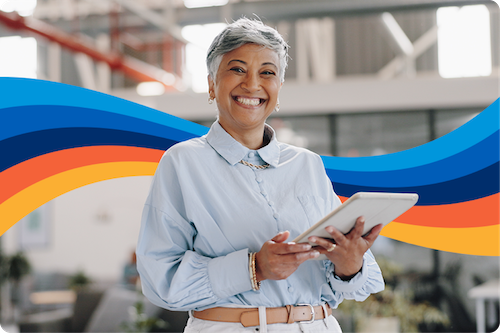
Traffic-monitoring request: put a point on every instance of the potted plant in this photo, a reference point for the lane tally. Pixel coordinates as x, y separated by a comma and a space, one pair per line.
394, 309
140, 322
79, 281
12, 269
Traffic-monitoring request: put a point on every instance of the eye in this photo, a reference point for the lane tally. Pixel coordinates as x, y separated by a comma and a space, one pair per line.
237, 70
268, 72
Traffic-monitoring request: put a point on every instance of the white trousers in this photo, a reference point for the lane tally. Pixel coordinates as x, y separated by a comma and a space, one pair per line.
195, 325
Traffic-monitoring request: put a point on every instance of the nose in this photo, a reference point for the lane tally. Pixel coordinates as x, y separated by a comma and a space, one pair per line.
251, 82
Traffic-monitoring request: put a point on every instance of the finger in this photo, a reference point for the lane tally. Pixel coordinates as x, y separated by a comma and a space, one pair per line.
357, 231
290, 248
289, 261
337, 236
322, 250
298, 258
281, 237
373, 233
324, 243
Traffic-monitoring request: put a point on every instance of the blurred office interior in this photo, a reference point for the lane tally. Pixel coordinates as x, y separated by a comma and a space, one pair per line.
365, 78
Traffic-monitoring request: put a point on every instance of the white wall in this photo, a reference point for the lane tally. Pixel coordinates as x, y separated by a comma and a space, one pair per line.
94, 228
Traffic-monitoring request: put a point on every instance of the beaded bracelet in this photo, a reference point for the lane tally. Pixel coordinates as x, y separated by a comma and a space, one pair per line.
253, 274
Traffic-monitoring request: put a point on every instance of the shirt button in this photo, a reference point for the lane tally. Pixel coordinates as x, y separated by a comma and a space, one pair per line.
258, 179
276, 215
291, 290
264, 193
270, 203
251, 155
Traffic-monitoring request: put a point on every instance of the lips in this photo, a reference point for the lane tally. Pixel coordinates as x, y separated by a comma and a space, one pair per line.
249, 101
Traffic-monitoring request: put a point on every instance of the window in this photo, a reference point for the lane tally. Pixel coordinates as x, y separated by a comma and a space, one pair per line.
200, 37
450, 120
464, 45
311, 132
380, 133
20, 58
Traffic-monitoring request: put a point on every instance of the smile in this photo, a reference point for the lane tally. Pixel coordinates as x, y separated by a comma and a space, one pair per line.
249, 101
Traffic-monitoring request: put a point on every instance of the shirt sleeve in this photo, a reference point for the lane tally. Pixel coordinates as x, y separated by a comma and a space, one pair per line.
368, 281
173, 275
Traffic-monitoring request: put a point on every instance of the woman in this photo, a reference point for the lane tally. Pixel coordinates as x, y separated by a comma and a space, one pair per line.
222, 207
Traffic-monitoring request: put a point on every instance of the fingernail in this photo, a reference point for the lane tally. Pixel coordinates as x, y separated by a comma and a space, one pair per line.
329, 229
362, 219
313, 239
307, 247
291, 243
315, 254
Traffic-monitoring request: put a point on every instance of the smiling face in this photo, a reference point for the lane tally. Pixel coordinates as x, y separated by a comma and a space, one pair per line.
246, 89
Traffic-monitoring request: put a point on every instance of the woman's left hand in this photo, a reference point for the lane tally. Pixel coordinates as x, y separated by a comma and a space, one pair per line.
348, 250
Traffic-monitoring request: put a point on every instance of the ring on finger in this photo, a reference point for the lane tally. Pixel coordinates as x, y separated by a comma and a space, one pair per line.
332, 247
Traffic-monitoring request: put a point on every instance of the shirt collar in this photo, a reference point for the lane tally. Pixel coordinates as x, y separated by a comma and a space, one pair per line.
233, 151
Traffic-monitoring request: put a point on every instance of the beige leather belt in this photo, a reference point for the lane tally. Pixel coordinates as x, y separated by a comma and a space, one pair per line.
250, 316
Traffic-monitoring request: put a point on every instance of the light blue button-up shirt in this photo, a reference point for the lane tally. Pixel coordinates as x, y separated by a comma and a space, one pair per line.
206, 211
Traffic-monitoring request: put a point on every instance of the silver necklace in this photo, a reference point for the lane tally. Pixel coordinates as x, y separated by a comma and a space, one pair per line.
264, 166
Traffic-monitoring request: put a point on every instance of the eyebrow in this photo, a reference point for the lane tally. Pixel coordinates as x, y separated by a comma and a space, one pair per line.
263, 64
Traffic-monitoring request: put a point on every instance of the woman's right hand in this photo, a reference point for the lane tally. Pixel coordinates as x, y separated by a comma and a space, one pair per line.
277, 260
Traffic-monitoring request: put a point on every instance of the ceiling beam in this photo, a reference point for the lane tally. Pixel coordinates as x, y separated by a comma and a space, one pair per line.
272, 11
131, 67
159, 20
295, 9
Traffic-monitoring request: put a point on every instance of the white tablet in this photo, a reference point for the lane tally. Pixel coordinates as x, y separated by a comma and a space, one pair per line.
377, 208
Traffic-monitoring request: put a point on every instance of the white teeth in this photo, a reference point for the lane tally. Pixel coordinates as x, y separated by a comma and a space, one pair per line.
249, 101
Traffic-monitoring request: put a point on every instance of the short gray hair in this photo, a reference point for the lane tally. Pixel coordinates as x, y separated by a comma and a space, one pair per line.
246, 31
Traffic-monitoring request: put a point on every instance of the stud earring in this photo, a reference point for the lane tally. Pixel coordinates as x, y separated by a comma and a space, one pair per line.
210, 100
277, 107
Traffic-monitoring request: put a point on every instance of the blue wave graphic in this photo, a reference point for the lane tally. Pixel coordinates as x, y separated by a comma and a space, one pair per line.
468, 135
460, 166
471, 160
26, 146
26, 92
473, 186
33, 118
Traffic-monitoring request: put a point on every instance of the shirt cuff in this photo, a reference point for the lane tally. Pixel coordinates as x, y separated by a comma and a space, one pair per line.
350, 286
229, 274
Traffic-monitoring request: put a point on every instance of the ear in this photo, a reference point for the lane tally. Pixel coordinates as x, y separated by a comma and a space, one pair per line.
211, 87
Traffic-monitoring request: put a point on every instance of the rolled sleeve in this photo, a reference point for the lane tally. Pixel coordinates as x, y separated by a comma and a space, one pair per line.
229, 274
177, 278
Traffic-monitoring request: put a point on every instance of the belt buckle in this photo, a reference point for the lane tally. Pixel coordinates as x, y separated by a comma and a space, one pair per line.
313, 315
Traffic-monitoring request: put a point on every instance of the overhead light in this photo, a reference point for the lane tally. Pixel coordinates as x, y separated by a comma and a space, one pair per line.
150, 88
168, 79
23, 7
204, 3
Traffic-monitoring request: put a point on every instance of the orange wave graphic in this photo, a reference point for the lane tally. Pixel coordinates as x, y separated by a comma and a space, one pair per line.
30, 198
468, 228
29, 172
481, 241
470, 214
